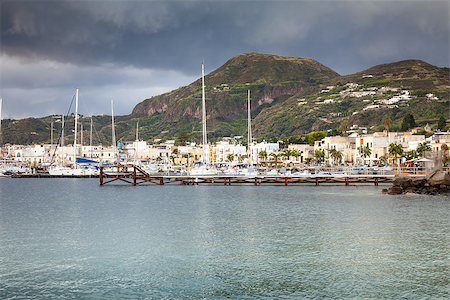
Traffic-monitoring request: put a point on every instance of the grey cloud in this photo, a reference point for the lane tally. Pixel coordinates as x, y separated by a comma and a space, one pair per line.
94, 42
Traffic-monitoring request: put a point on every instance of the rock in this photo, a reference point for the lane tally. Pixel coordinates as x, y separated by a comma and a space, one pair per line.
411, 190
395, 190
403, 181
384, 191
439, 178
418, 183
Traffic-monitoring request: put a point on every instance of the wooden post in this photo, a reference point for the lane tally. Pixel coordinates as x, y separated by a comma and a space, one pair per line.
161, 181
134, 175
317, 181
346, 181
101, 175
376, 181
285, 181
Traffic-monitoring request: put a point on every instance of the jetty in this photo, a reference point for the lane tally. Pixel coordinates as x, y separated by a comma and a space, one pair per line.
135, 175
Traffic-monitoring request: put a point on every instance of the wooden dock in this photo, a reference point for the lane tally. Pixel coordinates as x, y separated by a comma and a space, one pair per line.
135, 175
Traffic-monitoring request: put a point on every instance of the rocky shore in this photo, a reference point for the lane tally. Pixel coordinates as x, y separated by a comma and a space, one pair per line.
437, 183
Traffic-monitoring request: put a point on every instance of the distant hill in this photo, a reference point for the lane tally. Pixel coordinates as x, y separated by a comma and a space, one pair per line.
290, 96
366, 105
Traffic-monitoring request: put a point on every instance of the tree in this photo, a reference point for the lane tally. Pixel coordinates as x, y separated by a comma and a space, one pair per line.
336, 155
422, 148
230, 157
344, 126
263, 154
441, 123
412, 154
187, 158
387, 122
319, 154
287, 153
275, 156
396, 151
408, 122
296, 154
315, 136
366, 151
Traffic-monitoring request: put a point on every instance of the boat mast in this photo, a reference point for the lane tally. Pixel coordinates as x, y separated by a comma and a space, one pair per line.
1, 136
113, 131
249, 126
51, 133
137, 141
76, 130
62, 131
76, 118
90, 140
81, 136
205, 138
137, 131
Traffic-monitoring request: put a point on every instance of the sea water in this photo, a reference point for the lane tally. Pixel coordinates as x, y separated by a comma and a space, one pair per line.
72, 239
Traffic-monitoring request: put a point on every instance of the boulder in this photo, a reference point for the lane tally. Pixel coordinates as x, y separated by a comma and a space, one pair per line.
403, 181
411, 190
439, 178
395, 190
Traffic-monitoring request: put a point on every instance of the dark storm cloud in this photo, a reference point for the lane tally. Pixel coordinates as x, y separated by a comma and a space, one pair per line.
91, 43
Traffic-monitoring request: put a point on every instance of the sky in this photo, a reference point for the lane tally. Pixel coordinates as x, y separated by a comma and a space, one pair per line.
128, 51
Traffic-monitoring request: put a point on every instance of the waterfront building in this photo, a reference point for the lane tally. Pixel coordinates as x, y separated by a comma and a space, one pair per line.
223, 150
306, 152
263, 146
344, 144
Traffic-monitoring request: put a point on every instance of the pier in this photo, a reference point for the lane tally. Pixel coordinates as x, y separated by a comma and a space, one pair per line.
135, 175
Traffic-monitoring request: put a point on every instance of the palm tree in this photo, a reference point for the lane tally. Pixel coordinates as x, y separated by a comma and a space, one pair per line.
287, 153
410, 154
422, 148
187, 158
396, 150
383, 160
336, 155
263, 154
366, 151
275, 157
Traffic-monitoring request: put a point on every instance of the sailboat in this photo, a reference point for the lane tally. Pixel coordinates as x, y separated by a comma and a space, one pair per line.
76, 170
203, 169
246, 171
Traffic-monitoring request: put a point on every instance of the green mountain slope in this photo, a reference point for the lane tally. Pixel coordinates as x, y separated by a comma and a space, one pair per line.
364, 105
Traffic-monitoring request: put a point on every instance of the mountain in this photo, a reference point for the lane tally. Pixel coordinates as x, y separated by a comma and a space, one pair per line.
362, 99
290, 97
271, 79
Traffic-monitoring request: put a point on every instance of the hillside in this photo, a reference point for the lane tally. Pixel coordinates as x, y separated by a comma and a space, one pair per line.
363, 99
290, 96
271, 79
